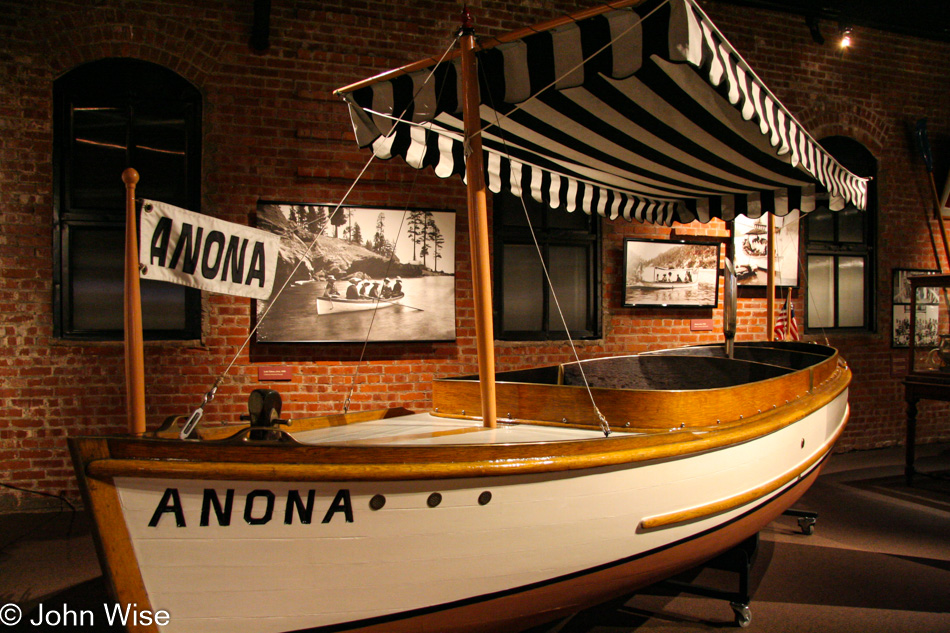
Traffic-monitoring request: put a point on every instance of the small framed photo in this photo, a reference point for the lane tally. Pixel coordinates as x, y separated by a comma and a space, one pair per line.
670, 274
752, 255
928, 309
351, 274
926, 329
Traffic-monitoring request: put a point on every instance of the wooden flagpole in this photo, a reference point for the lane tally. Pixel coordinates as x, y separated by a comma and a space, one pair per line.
134, 344
478, 224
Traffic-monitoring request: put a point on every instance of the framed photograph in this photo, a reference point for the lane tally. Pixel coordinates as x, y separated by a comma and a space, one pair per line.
670, 273
901, 287
752, 256
355, 274
928, 310
926, 328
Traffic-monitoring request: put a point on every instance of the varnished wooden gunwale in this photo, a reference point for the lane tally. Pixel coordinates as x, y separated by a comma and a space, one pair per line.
223, 432
655, 409
203, 460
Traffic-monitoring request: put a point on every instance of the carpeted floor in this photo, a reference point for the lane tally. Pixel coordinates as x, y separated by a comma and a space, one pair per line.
877, 562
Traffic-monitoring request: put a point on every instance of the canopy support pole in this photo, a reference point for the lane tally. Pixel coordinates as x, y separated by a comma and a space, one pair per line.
478, 225
770, 320
134, 345
730, 292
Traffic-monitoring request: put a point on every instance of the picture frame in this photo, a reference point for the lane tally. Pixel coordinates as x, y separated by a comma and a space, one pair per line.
901, 287
670, 273
926, 329
928, 309
750, 239
355, 274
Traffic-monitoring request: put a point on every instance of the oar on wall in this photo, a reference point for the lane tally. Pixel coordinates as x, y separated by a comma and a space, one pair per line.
923, 145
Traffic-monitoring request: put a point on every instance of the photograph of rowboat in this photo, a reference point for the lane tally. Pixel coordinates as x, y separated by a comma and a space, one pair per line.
352, 270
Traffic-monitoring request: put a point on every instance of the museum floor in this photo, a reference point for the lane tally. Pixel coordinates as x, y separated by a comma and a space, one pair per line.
878, 561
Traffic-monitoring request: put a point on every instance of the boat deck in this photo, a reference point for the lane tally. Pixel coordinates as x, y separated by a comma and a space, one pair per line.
425, 429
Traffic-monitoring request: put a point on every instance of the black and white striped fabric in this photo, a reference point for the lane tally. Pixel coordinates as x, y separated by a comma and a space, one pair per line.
644, 113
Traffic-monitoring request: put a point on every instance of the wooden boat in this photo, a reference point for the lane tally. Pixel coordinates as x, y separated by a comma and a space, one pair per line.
666, 279
399, 521
336, 305
519, 497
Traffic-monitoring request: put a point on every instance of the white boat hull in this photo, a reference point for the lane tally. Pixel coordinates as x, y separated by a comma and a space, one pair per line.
549, 540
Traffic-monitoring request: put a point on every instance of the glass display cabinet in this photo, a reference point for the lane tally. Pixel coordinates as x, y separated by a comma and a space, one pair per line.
928, 376
929, 337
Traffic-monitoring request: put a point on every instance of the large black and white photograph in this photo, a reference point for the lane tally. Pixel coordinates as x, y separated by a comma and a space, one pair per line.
752, 253
358, 274
663, 273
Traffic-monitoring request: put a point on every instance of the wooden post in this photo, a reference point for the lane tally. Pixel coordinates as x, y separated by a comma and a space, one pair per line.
770, 319
134, 345
478, 225
730, 299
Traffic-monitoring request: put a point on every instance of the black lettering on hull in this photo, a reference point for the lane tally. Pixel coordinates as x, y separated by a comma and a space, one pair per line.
259, 507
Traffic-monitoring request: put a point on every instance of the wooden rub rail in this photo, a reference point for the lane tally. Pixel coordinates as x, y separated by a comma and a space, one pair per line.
736, 501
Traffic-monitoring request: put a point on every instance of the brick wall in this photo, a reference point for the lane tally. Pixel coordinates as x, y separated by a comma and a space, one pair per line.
273, 130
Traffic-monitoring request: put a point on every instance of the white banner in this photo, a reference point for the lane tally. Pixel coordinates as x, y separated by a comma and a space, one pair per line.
197, 250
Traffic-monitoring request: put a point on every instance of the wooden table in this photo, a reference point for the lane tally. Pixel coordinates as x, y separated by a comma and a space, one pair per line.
918, 388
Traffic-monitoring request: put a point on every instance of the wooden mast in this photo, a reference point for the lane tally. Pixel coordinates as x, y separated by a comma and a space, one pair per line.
478, 223
770, 302
134, 345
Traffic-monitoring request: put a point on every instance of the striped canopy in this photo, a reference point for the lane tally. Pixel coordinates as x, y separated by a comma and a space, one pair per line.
644, 112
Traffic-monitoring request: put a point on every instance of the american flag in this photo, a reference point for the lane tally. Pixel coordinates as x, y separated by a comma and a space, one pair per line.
786, 327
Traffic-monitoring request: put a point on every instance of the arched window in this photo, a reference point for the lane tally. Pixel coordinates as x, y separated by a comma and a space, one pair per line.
110, 115
840, 251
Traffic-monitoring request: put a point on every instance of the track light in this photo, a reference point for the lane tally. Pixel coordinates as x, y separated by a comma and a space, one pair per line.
845, 40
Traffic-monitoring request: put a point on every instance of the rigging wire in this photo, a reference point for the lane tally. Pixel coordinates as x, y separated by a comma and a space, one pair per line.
405, 211
209, 396
604, 424
577, 66
369, 329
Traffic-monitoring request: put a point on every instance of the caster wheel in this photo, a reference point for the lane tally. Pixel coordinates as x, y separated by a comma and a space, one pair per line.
807, 525
743, 614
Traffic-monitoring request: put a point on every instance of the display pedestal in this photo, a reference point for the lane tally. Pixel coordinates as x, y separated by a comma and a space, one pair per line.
917, 388
928, 377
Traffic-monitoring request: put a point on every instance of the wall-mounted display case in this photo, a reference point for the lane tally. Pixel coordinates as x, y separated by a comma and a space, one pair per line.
930, 350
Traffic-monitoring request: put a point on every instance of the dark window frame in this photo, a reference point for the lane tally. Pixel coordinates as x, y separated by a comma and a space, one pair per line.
549, 235
133, 91
857, 158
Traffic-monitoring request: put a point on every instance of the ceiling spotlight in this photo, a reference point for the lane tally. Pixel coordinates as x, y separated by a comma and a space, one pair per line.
845, 41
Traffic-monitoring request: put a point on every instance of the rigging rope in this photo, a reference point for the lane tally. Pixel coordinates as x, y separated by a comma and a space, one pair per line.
604, 424
196, 415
